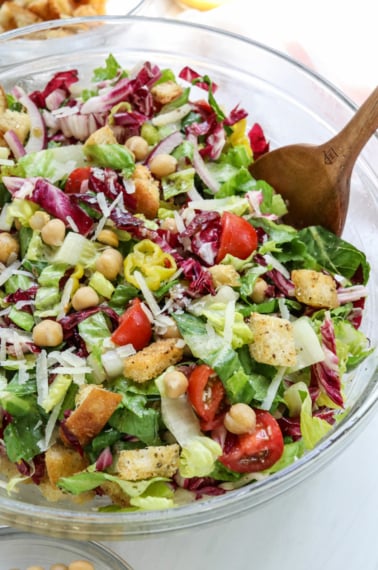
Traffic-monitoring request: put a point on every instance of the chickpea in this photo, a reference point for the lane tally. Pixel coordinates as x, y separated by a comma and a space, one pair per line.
48, 333
259, 291
53, 232
108, 237
9, 248
38, 220
240, 419
81, 565
170, 225
162, 165
84, 298
171, 331
110, 263
35, 568
138, 146
175, 383
59, 566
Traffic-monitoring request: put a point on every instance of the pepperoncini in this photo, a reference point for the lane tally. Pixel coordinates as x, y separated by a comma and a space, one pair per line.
239, 136
76, 276
152, 262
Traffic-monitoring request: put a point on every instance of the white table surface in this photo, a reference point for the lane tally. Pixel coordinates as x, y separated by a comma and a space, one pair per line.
329, 521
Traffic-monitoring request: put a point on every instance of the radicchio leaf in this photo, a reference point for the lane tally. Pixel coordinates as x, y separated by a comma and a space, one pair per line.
326, 373
257, 140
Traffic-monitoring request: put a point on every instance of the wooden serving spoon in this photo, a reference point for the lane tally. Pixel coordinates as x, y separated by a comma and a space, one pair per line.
315, 180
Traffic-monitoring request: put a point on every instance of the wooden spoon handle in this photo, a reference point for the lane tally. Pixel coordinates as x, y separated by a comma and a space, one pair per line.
350, 141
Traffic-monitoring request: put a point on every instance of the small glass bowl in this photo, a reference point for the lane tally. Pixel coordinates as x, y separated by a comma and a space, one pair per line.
51, 37
19, 550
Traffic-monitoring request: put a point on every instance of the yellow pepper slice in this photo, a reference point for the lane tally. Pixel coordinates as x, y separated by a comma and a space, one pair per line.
152, 262
239, 136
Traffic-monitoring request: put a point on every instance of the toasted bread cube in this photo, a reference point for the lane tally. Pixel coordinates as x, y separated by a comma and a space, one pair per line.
63, 461
104, 135
15, 121
224, 275
273, 340
147, 193
3, 101
14, 16
154, 461
151, 361
314, 288
115, 493
166, 92
95, 406
53, 494
41, 8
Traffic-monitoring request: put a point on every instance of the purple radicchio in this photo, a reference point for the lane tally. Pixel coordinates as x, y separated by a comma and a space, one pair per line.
326, 373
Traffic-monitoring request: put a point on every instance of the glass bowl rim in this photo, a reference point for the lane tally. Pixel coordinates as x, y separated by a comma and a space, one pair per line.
89, 548
244, 498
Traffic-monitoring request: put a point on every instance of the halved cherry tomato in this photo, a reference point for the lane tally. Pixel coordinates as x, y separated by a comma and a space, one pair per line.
237, 237
205, 392
76, 178
134, 328
255, 451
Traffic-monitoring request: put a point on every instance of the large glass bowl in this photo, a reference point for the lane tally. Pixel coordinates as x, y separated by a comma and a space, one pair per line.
21, 550
294, 105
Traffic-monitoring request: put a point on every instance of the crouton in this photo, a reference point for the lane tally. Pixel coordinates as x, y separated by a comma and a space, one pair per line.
273, 341
14, 16
154, 461
53, 494
315, 288
20, 13
147, 193
3, 101
224, 275
62, 461
15, 121
94, 408
40, 8
104, 135
115, 493
151, 361
166, 92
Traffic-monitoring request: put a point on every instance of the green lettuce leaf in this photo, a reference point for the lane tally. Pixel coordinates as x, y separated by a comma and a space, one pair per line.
115, 156
313, 429
334, 254
198, 456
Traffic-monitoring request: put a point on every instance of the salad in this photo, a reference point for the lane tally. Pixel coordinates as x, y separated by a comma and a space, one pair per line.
164, 335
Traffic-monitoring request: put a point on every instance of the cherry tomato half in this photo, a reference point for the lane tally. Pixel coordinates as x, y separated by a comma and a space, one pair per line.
134, 328
237, 237
76, 178
205, 392
258, 450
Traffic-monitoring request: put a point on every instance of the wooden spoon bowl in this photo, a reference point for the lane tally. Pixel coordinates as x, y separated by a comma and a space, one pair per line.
315, 180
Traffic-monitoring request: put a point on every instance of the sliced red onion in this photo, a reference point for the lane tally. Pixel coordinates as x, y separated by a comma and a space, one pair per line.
37, 136
55, 99
351, 294
14, 144
107, 100
203, 172
104, 460
172, 116
166, 145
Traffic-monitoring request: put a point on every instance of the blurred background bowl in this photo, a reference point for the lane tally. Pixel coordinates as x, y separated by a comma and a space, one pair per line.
293, 104
19, 550
50, 37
